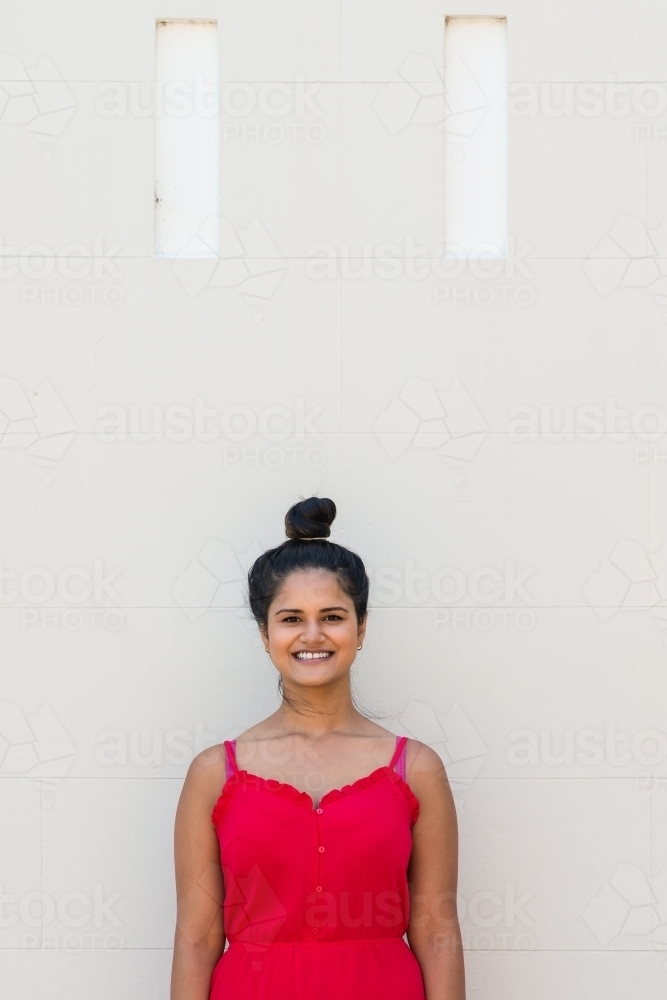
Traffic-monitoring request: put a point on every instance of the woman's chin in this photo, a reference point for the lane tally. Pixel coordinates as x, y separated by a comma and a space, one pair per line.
314, 676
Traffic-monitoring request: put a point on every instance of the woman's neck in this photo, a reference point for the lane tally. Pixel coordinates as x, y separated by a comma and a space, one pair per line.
317, 711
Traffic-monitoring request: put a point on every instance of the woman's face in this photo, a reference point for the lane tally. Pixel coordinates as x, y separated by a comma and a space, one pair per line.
312, 631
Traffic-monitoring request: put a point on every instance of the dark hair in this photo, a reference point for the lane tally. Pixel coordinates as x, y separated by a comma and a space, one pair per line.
306, 524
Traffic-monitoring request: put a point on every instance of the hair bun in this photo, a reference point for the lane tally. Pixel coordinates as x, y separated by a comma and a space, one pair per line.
310, 518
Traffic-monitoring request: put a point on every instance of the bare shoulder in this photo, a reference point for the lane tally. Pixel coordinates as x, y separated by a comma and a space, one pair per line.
421, 757
194, 834
208, 762
427, 777
206, 775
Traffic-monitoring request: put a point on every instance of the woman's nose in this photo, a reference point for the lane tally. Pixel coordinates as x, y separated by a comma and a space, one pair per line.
312, 630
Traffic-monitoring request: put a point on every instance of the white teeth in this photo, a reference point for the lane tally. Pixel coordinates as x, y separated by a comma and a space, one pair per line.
311, 656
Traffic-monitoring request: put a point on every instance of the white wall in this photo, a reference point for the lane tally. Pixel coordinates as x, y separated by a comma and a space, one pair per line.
560, 638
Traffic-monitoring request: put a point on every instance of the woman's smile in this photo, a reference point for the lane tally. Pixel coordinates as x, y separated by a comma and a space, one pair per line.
320, 654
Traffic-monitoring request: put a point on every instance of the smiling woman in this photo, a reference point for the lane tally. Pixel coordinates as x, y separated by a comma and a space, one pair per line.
311, 572
341, 840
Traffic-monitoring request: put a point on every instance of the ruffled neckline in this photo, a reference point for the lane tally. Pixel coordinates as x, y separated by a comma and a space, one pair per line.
246, 778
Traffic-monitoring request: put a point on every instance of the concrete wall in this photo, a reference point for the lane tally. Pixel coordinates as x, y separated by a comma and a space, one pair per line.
495, 435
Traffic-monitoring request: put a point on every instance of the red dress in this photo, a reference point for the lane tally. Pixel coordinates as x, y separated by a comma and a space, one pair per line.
316, 900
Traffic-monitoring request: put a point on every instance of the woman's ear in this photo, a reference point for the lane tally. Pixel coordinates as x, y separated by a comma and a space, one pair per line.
264, 636
361, 629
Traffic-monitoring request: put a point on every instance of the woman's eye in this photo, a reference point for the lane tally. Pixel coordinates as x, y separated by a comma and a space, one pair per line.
333, 618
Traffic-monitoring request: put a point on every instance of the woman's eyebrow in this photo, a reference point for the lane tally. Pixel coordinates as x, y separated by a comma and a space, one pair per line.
299, 611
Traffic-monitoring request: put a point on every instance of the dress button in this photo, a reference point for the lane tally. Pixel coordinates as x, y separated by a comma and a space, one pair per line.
319, 811
315, 930
318, 888
321, 850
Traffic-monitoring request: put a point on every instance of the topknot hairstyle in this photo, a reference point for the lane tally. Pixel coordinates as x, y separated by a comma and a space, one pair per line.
307, 526
310, 518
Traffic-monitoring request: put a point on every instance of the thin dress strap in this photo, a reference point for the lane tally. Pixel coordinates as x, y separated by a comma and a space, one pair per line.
398, 760
231, 767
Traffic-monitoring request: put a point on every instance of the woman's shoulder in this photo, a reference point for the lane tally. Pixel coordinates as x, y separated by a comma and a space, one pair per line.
422, 757
207, 772
427, 777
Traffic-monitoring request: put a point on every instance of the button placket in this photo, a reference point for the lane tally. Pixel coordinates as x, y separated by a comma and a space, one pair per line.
320, 848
